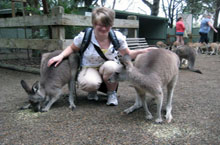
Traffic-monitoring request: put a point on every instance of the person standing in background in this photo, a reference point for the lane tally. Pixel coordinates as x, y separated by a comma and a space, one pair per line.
205, 28
180, 28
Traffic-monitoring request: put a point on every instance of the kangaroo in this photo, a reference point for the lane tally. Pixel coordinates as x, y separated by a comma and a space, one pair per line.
213, 48
195, 46
175, 45
188, 53
161, 44
150, 73
44, 93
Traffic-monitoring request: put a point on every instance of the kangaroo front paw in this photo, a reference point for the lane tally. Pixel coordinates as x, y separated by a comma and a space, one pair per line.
22, 108
72, 106
44, 110
149, 117
169, 118
28, 106
158, 120
127, 111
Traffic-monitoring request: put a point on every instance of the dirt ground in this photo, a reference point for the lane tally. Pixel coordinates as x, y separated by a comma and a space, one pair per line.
196, 112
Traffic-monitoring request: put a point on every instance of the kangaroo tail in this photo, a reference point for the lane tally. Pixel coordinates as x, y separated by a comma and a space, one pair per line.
197, 71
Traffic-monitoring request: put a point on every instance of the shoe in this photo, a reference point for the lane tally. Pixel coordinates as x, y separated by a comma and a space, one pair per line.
93, 96
112, 98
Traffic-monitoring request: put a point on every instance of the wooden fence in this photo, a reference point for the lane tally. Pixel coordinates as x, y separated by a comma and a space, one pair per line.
57, 20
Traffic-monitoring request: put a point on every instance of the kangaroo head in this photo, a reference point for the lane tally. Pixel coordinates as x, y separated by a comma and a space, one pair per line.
121, 73
126, 61
35, 97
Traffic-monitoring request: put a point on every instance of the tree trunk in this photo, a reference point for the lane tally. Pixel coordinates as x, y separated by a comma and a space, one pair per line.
154, 7
88, 3
46, 11
45, 7
216, 13
113, 6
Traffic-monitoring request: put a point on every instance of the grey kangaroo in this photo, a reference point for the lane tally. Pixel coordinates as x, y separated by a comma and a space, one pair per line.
150, 73
189, 54
43, 94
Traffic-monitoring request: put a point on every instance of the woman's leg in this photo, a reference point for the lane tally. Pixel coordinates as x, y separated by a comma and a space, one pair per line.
106, 70
203, 37
181, 40
177, 40
89, 79
206, 38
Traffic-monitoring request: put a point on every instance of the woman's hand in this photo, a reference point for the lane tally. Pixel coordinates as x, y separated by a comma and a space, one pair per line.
56, 59
149, 49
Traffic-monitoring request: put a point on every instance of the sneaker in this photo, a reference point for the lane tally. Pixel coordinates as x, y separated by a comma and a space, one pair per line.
112, 98
93, 96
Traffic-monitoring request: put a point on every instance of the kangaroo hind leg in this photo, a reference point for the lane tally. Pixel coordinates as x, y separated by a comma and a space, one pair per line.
170, 90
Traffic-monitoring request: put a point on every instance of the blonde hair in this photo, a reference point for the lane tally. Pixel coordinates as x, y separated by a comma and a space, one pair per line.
104, 15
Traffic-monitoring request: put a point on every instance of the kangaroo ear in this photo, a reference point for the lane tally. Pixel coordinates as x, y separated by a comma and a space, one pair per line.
126, 61
26, 87
35, 87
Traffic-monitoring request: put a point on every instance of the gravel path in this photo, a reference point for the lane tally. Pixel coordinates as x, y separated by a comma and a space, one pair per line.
196, 112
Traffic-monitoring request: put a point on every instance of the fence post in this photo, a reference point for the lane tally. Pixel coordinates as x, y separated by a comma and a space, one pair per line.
190, 37
132, 33
58, 32
168, 39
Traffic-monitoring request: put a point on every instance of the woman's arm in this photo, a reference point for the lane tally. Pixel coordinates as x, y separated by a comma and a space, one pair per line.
133, 53
210, 24
66, 52
183, 26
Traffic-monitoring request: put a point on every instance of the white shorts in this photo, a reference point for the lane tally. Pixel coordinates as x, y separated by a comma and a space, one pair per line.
90, 79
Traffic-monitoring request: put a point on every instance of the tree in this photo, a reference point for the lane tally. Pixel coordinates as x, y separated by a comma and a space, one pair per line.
171, 8
217, 11
154, 7
5, 4
200, 7
194, 7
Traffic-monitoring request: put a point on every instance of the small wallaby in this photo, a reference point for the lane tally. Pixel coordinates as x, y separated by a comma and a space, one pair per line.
161, 44
188, 53
151, 72
43, 94
214, 48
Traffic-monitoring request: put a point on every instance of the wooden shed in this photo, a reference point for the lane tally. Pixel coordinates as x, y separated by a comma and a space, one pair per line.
152, 28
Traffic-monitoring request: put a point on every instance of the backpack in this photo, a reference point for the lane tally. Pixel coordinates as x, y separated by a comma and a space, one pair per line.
87, 38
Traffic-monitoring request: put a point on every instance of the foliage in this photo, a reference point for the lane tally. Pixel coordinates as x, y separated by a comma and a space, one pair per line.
68, 5
35, 6
200, 7
5, 4
172, 8
33, 10
71, 6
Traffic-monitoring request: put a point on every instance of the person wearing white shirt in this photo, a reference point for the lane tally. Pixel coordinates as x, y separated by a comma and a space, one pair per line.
95, 69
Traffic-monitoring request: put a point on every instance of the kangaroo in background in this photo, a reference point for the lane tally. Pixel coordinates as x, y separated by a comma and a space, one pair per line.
150, 73
161, 44
43, 94
214, 48
188, 53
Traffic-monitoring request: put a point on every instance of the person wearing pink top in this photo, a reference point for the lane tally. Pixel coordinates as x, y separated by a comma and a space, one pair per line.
180, 28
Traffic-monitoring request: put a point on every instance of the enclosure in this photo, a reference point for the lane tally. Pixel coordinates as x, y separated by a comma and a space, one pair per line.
196, 101
196, 106
152, 28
